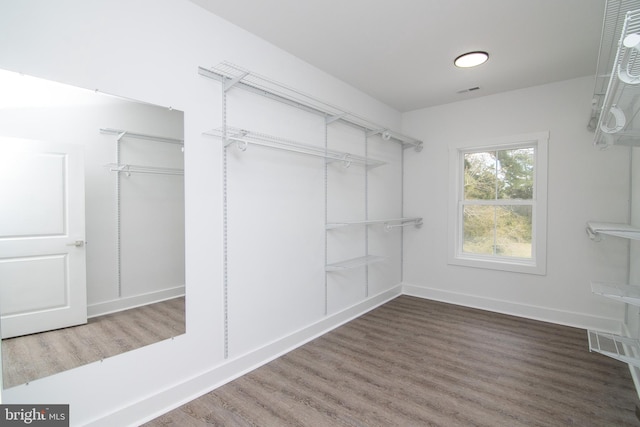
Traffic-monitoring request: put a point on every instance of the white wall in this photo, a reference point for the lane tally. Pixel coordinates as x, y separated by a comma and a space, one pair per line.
584, 184
150, 50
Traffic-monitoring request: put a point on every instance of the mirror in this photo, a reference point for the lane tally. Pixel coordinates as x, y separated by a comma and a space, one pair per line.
91, 226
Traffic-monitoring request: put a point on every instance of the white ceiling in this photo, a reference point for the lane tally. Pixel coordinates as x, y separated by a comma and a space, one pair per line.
401, 51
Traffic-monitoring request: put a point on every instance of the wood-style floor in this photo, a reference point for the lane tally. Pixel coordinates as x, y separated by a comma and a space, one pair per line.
414, 362
30, 357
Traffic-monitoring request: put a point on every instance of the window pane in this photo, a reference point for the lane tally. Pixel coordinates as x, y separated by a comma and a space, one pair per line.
478, 229
480, 176
513, 231
515, 173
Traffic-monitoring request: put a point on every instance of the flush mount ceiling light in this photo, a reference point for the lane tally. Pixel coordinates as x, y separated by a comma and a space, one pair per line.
471, 59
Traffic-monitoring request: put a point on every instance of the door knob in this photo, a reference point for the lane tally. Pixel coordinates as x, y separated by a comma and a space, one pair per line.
77, 243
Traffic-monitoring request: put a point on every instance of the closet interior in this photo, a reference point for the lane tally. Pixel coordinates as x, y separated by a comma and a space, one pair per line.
356, 233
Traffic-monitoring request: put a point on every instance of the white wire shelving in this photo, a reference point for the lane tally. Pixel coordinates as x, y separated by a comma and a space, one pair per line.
612, 26
354, 263
234, 76
629, 294
124, 133
129, 169
618, 122
595, 230
242, 138
615, 346
388, 223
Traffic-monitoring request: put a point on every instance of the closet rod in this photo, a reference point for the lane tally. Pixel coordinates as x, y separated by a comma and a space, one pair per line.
233, 76
129, 169
123, 133
243, 138
416, 223
386, 222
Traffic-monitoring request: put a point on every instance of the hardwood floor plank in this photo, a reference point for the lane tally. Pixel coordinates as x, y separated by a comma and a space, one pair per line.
415, 362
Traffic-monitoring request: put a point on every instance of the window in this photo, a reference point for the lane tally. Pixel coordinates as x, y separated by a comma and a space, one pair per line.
498, 204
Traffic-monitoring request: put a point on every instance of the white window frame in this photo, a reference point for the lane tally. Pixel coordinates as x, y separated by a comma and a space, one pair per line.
538, 262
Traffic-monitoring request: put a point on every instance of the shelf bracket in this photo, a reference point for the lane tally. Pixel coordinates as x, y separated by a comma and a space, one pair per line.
347, 160
331, 119
229, 83
120, 136
377, 132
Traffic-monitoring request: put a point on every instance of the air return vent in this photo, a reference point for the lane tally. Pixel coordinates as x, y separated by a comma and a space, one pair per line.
471, 89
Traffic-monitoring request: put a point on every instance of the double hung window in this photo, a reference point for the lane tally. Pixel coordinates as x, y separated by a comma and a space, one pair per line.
498, 207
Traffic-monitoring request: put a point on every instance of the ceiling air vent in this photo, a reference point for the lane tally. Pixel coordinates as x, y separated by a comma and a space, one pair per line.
471, 89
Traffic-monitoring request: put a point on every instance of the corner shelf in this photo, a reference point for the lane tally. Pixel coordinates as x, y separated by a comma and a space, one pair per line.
615, 346
594, 229
389, 223
243, 137
620, 292
354, 263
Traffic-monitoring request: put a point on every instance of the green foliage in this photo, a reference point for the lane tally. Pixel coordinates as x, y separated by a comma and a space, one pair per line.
505, 229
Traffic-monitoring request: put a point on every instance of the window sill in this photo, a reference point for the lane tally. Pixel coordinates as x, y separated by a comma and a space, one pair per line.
515, 265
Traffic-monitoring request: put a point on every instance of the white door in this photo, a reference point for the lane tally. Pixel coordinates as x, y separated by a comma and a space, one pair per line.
42, 253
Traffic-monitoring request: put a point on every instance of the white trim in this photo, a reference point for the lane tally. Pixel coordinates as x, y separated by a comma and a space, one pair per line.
544, 314
165, 400
538, 263
126, 303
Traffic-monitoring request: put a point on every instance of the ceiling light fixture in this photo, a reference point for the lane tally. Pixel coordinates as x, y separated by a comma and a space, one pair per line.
471, 59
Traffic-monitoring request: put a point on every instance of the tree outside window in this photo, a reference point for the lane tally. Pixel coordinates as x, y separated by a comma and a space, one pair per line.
498, 203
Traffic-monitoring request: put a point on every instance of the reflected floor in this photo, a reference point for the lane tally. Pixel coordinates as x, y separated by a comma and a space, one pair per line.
35, 356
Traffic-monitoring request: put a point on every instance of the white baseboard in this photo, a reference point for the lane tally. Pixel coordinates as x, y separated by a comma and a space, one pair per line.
545, 314
165, 400
126, 303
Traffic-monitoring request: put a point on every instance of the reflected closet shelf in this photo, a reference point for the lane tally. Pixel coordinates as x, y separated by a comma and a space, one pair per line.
615, 346
354, 263
629, 294
129, 169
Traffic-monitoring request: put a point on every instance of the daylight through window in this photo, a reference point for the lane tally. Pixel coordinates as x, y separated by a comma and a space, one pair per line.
500, 205
498, 202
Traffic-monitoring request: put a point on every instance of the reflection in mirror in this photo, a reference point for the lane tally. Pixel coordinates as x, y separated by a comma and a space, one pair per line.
91, 226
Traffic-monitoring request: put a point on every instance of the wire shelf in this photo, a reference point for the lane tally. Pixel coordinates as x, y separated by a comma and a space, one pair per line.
629, 294
388, 223
354, 263
612, 26
129, 169
234, 76
595, 230
617, 122
243, 137
615, 346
